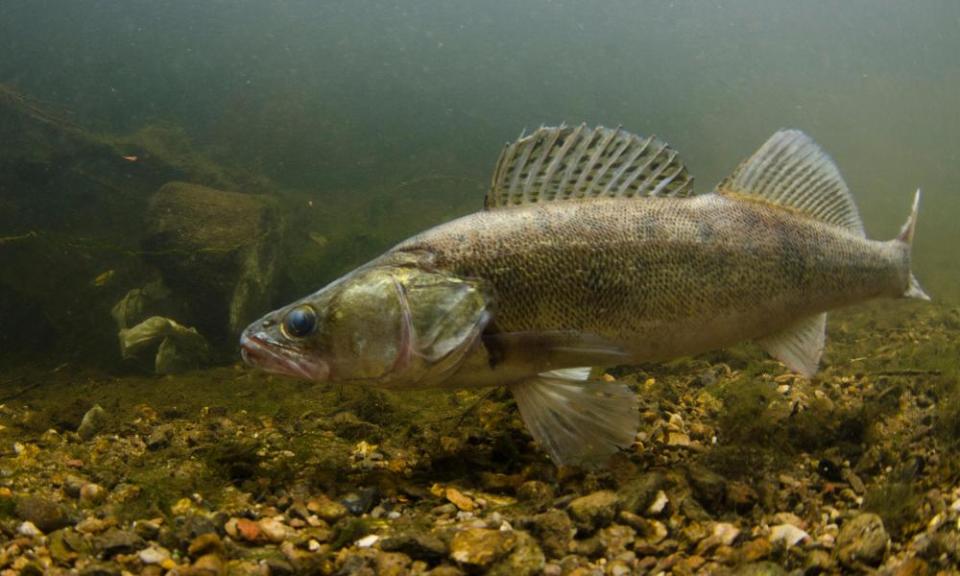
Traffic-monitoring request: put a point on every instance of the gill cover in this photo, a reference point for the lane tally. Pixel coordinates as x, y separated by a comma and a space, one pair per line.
403, 326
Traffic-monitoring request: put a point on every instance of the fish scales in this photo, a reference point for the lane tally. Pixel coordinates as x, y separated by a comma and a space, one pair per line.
664, 276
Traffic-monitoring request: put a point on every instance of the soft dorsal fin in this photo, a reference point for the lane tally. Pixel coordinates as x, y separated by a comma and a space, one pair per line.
790, 170
567, 163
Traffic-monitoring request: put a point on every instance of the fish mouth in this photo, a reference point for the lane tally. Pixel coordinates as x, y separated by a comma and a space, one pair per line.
276, 359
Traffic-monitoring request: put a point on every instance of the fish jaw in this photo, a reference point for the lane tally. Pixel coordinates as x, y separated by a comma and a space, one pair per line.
260, 351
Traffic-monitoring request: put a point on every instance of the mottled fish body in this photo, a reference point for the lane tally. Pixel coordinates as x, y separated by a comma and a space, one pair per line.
592, 251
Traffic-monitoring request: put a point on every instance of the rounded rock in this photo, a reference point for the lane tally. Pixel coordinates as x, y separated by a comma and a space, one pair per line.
481, 546
595, 510
862, 539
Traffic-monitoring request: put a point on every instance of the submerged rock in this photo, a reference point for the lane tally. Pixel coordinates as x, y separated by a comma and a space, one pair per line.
180, 348
862, 540
595, 510
481, 547
217, 251
93, 422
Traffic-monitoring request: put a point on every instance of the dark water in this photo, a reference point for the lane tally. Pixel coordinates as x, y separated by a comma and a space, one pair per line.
373, 120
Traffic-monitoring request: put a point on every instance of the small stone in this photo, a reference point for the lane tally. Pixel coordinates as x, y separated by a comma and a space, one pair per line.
146, 529
862, 539
458, 499
535, 492
116, 541
393, 564
659, 503
45, 514
639, 493
94, 525
154, 555
481, 546
207, 543
247, 529
273, 530
207, 565
28, 529
59, 547
787, 534
741, 496
725, 533
595, 510
709, 488
679, 439
417, 546
554, 530
327, 509
368, 541
756, 549
526, 559
91, 494
160, 437
92, 423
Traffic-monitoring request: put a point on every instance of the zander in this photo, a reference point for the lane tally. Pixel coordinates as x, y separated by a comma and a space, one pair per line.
592, 251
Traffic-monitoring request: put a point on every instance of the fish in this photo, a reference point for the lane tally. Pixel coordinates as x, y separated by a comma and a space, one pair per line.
593, 250
103, 278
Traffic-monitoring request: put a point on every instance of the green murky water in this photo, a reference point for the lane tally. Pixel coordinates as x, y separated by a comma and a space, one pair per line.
341, 128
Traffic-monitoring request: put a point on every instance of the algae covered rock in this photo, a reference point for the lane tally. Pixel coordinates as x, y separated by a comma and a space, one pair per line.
177, 348
217, 251
595, 510
862, 540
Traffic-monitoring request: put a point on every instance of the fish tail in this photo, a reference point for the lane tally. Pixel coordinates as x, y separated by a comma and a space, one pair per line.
906, 237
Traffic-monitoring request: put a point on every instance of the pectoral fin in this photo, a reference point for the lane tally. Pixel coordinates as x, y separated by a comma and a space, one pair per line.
577, 421
799, 346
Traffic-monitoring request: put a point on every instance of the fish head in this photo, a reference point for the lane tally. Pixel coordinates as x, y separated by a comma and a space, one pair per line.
385, 325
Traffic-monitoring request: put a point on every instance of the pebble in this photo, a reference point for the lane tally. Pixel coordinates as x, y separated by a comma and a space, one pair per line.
154, 555
42, 512
862, 539
594, 510
481, 546
787, 534
419, 546
92, 423
535, 492
207, 543
207, 565
368, 541
243, 528
91, 494
116, 541
461, 501
273, 530
28, 529
327, 509
659, 504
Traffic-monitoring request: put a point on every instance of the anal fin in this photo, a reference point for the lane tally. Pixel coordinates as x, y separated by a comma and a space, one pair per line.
577, 421
799, 346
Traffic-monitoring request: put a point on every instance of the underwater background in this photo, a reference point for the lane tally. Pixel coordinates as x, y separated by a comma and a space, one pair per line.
205, 162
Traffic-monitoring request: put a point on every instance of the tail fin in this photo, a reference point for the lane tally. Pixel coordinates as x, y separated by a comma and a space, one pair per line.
906, 236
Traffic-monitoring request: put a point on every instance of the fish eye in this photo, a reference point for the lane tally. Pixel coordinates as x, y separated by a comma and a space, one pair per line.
299, 322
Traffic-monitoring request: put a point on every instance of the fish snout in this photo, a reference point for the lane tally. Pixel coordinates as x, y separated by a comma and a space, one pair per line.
260, 353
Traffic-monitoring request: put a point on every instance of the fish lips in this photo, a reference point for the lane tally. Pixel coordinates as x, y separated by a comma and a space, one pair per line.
275, 358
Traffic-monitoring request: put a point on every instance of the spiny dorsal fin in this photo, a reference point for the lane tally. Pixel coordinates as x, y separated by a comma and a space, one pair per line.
799, 346
566, 163
790, 170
